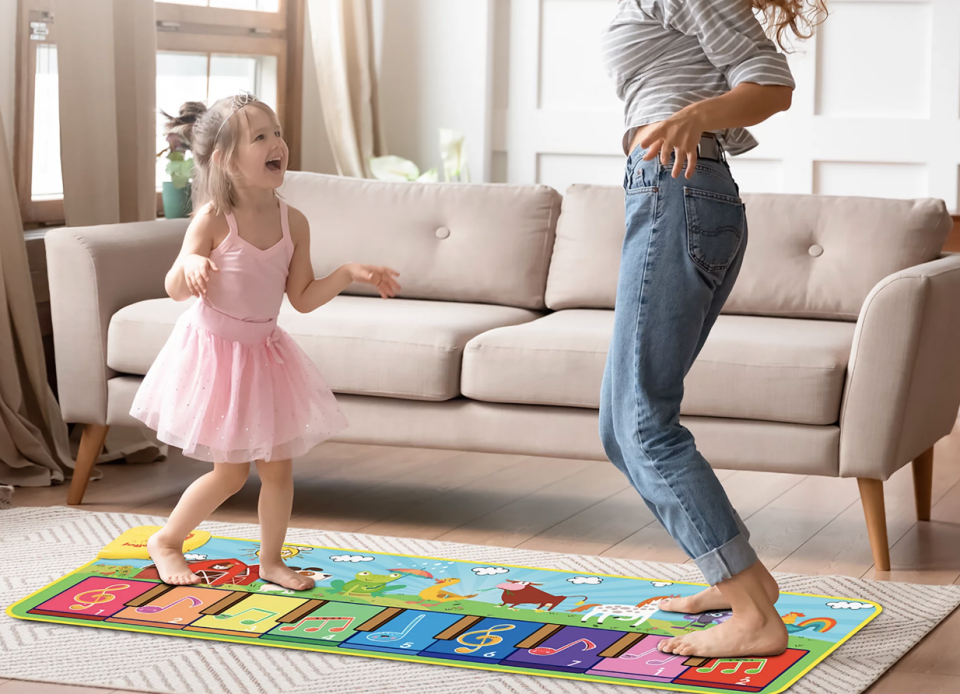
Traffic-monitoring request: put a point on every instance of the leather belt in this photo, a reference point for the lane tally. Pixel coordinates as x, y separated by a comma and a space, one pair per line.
710, 148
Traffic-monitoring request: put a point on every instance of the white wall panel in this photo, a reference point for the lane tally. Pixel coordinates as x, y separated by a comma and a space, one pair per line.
758, 175
560, 170
874, 60
878, 180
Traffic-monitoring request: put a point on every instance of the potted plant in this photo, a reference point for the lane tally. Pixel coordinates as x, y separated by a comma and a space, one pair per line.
176, 191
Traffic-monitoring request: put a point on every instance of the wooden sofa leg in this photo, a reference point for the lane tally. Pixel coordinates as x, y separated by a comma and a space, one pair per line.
871, 496
91, 443
923, 483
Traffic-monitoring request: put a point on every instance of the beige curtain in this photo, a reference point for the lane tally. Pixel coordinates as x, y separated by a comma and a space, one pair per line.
342, 33
34, 450
107, 64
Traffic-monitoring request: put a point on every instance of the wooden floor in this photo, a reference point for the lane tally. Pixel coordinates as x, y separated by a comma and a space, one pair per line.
809, 525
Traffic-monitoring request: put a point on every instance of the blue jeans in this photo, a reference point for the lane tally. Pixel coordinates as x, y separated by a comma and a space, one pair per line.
682, 252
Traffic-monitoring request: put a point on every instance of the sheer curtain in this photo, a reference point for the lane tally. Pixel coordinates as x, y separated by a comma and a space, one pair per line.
107, 60
34, 450
343, 49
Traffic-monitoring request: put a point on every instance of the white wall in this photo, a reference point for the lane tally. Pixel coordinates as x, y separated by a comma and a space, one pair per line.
876, 111
436, 65
8, 63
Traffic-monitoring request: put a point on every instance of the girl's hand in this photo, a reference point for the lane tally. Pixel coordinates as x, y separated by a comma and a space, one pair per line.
380, 277
679, 134
196, 272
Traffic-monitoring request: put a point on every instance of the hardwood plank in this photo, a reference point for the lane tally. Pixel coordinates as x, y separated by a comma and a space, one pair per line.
896, 682
843, 547
458, 507
517, 521
784, 525
25, 687
652, 543
596, 528
930, 547
939, 651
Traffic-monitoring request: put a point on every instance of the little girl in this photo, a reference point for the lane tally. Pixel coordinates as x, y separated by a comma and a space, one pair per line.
230, 387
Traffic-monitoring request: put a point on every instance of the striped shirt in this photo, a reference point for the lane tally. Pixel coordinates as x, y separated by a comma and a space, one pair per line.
664, 55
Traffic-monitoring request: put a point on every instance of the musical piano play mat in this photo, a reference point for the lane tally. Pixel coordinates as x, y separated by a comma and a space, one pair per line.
544, 622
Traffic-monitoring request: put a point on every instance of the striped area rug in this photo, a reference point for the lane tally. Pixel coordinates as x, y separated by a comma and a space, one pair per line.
38, 545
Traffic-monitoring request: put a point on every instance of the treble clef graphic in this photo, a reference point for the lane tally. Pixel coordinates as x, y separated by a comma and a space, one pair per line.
485, 637
97, 597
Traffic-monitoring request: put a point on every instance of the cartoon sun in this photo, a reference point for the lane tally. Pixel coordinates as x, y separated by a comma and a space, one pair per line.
286, 552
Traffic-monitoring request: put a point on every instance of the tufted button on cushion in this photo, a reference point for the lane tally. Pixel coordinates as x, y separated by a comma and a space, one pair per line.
816, 250
443, 233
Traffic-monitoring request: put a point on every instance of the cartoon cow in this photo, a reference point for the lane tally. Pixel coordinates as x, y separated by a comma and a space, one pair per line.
523, 593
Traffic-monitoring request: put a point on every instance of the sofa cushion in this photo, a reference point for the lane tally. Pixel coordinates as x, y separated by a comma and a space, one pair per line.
772, 369
397, 348
807, 256
453, 242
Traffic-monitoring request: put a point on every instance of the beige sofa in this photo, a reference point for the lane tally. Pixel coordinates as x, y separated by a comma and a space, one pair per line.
835, 356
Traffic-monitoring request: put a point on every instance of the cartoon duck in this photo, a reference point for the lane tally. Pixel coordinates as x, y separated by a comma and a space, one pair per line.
438, 594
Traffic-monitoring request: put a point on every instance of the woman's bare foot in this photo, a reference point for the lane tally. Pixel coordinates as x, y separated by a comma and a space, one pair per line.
171, 566
711, 599
284, 576
738, 637
755, 629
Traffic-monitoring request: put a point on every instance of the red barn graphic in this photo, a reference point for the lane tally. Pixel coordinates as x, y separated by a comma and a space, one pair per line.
214, 572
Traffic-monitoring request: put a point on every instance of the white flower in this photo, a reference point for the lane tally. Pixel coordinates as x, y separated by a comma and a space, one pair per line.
393, 168
351, 558
589, 580
453, 155
489, 570
194, 557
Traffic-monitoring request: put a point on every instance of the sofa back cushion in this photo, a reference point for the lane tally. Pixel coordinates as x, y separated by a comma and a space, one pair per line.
808, 256
453, 242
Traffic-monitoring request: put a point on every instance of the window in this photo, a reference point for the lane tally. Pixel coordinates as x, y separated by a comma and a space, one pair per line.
206, 49
207, 77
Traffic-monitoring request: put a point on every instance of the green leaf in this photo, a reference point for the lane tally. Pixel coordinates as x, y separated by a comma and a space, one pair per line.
180, 170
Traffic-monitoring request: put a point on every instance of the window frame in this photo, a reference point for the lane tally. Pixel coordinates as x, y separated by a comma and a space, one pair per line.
180, 28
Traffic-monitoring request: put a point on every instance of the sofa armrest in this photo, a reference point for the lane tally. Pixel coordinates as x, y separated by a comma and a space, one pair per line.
903, 383
93, 273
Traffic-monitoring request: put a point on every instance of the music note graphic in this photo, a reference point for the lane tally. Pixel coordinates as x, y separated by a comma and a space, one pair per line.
395, 635
654, 661
736, 666
248, 622
588, 645
97, 597
486, 638
323, 623
153, 609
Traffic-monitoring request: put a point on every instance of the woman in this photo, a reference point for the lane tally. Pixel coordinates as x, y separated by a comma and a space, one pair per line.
692, 74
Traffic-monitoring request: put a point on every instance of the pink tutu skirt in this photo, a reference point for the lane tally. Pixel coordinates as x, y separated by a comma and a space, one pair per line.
232, 391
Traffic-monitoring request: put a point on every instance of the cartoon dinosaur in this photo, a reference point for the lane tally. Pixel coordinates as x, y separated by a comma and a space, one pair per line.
819, 624
438, 595
366, 584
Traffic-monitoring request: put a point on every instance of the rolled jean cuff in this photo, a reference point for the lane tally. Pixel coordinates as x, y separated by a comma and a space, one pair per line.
729, 559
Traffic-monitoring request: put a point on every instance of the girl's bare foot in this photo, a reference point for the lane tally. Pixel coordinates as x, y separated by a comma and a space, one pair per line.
738, 637
755, 629
711, 599
283, 575
171, 566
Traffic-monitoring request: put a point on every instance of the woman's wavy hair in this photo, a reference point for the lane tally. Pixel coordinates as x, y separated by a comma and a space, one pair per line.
799, 17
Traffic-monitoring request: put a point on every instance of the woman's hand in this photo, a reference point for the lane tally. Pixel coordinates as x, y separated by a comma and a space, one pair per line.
680, 134
196, 272
383, 278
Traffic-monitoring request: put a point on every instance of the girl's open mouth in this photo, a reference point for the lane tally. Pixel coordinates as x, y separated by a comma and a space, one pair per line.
274, 164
